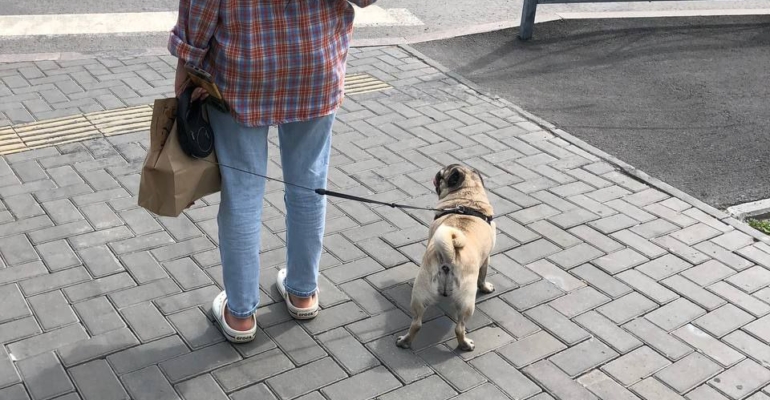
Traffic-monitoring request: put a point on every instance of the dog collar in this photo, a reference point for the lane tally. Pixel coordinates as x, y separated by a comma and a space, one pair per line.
462, 210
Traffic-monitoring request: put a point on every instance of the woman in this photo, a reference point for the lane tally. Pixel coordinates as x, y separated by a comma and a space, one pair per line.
276, 62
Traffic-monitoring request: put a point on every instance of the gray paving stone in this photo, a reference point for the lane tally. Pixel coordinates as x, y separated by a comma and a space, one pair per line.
430, 388
626, 307
366, 385
733, 260
140, 221
723, 320
760, 328
693, 292
705, 392
696, 233
557, 276
743, 300
604, 387
663, 267
751, 280
100, 261
512, 270
354, 270
555, 234
47, 342
505, 376
733, 240
101, 216
199, 361
658, 339
557, 324
688, 372
8, 374
647, 286
708, 273
583, 357
655, 228
14, 304
575, 256
451, 367
17, 250
181, 301
573, 218
139, 243
15, 392
635, 366
306, 379
639, 243
44, 376
675, 314
596, 238
260, 391
532, 295
149, 384
143, 267
557, 382
23, 206
150, 291
60, 232
688, 253
579, 301
187, 274
98, 316
296, 343
393, 276
367, 297
57, 255
96, 381
22, 272
255, 369
515, 230
203, 387
508, 318
703, 342
382, 252
748, 345
52, 310
619, 261
531, 349
347, 351
405, 364
99, 287
96, 346
600, 280
18, 329
607, 331
532, 252
741, 380
651, 388
488, 391
671, 215
613, 223
756, 255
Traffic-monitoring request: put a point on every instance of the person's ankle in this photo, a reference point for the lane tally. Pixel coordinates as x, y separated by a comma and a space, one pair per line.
302, 302
239, 324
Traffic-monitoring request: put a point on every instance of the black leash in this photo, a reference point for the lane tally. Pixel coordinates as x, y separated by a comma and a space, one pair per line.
323, 192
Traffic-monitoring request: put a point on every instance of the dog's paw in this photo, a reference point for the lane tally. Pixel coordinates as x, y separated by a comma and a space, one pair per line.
467, 345
403, 342
487, 287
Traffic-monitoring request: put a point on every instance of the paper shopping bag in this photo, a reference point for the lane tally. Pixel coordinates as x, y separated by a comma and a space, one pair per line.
171, 180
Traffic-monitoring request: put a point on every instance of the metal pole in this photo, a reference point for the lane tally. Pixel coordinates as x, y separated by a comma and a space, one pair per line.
527, 19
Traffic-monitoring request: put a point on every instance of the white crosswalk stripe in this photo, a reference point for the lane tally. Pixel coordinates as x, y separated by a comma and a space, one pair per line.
143, 22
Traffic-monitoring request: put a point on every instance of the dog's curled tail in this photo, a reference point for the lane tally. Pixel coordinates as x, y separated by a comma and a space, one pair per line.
447, 241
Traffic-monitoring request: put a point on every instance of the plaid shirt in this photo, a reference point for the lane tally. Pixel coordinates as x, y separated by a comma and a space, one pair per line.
275, 61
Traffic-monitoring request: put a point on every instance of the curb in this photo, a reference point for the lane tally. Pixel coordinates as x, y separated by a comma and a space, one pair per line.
746, 210
722, 216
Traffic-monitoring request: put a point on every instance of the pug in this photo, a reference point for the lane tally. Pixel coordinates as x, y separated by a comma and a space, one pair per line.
461, 239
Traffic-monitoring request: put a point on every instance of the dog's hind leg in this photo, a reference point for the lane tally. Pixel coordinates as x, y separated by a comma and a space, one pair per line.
464, 313
418, 310
484, 286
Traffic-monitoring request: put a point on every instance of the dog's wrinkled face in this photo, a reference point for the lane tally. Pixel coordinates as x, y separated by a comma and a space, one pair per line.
454, 177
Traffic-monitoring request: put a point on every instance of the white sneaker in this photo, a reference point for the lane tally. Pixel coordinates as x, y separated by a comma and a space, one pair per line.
235, 336
297, 313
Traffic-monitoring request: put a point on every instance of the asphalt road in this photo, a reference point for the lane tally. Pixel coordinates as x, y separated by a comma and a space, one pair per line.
686, 100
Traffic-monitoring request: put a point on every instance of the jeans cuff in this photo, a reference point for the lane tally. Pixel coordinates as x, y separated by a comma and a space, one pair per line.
242, 315
298, 293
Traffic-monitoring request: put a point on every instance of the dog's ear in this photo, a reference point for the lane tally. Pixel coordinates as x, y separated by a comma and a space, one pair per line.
481, 178
456, 178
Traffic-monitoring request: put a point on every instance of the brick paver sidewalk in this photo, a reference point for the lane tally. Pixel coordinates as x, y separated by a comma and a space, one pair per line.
606, 287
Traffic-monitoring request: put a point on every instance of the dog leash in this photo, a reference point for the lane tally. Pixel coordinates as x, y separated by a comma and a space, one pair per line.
323, 192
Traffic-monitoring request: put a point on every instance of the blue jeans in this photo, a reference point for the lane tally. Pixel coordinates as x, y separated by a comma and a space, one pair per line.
305, 148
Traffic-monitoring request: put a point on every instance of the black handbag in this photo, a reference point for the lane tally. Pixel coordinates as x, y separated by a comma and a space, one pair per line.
195, 134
